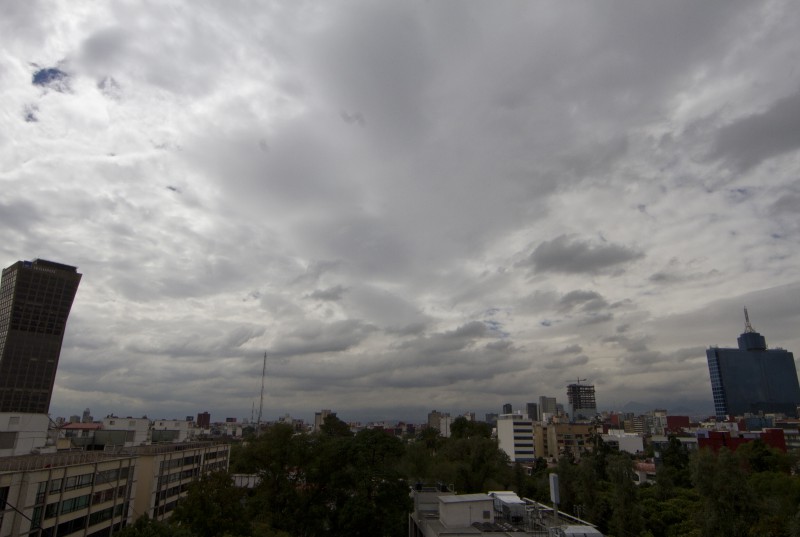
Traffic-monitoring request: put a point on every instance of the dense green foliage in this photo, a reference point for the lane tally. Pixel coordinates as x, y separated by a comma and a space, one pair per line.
336, 483
750, 492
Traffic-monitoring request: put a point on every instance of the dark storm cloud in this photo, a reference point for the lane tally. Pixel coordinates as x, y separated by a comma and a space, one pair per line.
104, 50
789, 203
570, 254
313, 337
582, 300
753, 139
331, 294
212, 341
595, 318
567, 362
18, 215
412, 329
571, 349
442, 347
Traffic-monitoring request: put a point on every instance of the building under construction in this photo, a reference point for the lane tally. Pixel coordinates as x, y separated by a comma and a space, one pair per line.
582, 404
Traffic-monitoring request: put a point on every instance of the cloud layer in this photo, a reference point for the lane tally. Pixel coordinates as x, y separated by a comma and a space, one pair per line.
410, 206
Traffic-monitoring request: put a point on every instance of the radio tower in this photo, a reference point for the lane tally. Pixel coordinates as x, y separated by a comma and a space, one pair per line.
261, 403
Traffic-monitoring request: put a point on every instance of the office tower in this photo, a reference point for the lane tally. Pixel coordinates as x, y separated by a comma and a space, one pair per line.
532, 411
752, 378
582, 405
35, 300
547, 407
508, 409
319, 418
204, 420
435, 419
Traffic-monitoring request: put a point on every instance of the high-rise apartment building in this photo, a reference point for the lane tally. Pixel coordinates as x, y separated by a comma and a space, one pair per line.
582, 404
752, 378
35, 301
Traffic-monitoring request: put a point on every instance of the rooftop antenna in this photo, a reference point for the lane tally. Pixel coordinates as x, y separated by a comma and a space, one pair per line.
748, 328
261, 403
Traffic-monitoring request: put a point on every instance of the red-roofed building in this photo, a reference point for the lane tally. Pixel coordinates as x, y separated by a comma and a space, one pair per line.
676, 424
716, 440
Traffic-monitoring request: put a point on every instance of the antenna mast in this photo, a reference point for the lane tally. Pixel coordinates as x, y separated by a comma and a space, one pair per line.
261, 403
747, 326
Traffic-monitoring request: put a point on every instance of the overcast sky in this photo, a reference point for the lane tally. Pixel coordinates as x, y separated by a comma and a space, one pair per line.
409, 205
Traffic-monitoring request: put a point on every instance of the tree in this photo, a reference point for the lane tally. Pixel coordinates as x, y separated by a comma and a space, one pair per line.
464, 428
626, 515
727, 500
213, 507
145, 527
333, 426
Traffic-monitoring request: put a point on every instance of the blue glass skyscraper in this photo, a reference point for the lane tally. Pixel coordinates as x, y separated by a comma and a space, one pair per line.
753, 378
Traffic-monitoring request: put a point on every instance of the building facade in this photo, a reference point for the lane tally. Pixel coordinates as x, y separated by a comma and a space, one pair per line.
35, 301
66, 494
752, 378
164, 473
548, 407
515, 437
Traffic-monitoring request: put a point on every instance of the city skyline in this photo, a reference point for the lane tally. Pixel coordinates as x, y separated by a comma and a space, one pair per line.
409, 206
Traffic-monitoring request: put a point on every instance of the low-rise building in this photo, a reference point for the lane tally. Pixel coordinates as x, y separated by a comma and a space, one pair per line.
138, 429
84, 493
496, 514
23, 433
628, 442
165, 471
172, 431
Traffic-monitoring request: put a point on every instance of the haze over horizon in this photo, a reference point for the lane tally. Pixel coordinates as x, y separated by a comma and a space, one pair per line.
409, 205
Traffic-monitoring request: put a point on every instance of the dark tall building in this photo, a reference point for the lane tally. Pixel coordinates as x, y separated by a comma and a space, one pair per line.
752, 378
204, 420
508, 409
35, 300
582, 404
532, 409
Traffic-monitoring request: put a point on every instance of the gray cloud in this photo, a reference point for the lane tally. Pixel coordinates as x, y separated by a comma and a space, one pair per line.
584, 300
568, 362
332, 294
408, 205
572, 255
750, 140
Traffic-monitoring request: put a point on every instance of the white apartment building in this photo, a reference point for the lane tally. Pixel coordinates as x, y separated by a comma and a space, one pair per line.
138, 429
22, 434
515, 436
172, 431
